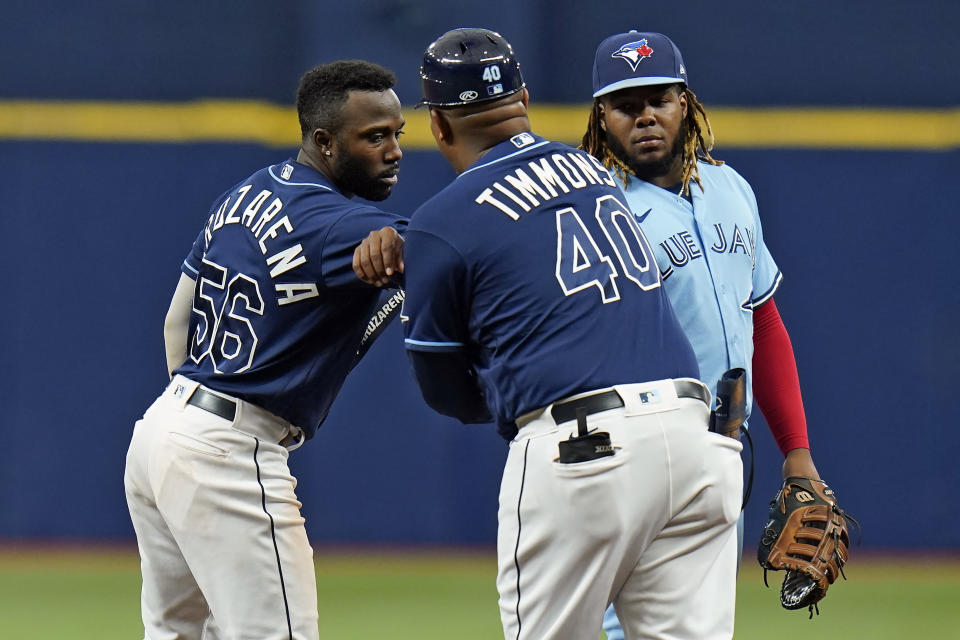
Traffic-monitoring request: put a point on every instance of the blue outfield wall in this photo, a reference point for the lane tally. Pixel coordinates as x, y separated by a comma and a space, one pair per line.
94, 234
738, 52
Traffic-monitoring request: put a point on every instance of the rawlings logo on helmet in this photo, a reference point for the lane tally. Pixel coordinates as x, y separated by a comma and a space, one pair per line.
633, 53
467, 96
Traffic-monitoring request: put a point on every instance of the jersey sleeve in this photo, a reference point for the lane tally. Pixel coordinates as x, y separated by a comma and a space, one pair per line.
191, 264
766, 274
343, 238
449, 385
435, 311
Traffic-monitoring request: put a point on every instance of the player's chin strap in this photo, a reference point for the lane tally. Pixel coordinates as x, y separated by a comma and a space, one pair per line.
731, 413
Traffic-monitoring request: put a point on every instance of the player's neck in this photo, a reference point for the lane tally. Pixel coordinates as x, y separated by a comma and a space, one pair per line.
480, 145
315, 162
670, 178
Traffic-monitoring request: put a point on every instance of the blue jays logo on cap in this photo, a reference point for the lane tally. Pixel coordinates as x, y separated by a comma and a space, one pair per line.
633, 53
660, 58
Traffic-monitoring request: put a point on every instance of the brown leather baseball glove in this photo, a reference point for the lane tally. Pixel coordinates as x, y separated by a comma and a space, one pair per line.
807, 536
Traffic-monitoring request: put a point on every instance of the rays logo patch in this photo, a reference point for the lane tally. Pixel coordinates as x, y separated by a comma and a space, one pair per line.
633, 53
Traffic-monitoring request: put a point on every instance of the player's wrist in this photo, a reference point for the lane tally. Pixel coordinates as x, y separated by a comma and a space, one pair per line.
798, 463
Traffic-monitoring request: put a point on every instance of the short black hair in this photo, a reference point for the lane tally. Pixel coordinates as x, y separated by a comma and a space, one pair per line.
323, 91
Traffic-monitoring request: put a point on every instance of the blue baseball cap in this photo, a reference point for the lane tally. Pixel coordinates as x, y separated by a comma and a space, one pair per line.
636, 59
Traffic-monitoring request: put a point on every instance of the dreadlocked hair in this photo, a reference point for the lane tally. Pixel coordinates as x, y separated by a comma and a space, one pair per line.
696, 146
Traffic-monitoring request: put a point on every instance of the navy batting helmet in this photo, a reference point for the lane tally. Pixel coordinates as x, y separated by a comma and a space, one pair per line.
466, 66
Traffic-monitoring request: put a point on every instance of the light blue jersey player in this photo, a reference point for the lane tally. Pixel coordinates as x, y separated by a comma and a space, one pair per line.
713, 260
263, 328
701, 218
534, 299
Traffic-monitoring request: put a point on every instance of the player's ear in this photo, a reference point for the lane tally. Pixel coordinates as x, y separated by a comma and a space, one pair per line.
601, 113
525, 98
440, 127
682, 97
323, 140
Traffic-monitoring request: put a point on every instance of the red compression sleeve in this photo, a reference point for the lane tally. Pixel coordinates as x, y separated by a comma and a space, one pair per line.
776, 385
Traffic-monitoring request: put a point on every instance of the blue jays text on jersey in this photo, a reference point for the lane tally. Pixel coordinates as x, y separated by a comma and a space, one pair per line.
278, 313
531, 262
715, 265
683, 246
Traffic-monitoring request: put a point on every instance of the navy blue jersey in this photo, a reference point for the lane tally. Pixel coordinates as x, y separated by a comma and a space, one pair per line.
278, 313
531, 263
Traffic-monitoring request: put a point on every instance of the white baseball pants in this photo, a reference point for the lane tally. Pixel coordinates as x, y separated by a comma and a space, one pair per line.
651, 529
224, 552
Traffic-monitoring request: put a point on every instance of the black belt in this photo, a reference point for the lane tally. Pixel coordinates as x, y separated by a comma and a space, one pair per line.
217, 405
226, 409
566, 411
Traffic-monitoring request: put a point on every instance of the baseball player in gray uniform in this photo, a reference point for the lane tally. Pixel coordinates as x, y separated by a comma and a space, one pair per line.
263, 328
701, 218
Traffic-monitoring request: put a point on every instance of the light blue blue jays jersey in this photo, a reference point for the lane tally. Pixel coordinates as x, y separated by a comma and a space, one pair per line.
714, 264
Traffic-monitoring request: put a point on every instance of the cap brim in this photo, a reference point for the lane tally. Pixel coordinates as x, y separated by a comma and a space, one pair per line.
637, 82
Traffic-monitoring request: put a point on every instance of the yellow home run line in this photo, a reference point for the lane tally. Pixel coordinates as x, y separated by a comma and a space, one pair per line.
249, 121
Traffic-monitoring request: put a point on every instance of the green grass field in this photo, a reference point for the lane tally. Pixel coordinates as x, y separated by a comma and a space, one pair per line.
94, 595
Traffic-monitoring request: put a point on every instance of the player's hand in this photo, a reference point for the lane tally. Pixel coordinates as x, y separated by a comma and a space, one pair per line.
799, 464
379, 257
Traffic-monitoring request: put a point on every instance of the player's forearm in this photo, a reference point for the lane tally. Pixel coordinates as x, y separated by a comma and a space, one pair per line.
776, 384
176, 324
450, 387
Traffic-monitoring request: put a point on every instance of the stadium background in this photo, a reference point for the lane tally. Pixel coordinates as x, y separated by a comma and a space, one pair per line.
119, 123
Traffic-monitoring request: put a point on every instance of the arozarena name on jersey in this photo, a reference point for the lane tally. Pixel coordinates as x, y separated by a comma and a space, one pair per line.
382, 314
563, 171
257, 222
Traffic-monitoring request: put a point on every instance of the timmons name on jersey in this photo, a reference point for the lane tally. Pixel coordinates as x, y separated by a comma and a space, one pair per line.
263, 227
546, 179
